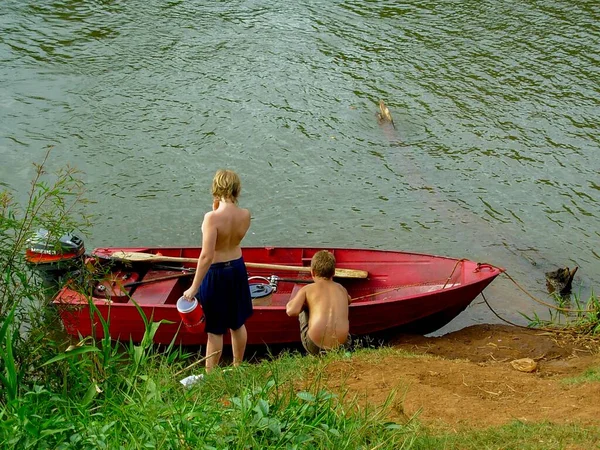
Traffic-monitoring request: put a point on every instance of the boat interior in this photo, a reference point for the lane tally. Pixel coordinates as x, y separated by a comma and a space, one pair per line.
154, 285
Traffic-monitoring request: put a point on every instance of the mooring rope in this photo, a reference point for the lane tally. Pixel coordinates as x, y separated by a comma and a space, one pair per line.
531, 296
565, 329
549, 305
452, 273
502, 318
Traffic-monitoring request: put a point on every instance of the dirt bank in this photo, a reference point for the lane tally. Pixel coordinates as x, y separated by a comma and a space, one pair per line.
466, 378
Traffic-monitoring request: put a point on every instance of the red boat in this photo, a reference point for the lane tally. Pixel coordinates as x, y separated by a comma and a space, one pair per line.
390, 290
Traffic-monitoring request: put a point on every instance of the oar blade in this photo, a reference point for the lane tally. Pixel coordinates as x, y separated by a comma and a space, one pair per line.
351, 273
135, 256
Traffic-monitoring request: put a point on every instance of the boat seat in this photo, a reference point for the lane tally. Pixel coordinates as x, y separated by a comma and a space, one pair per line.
158, 293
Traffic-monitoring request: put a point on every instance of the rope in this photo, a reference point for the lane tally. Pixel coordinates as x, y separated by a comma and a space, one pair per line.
452, 273
557, 308
549, 305
541, 302
502, 318
565, 329
404, 286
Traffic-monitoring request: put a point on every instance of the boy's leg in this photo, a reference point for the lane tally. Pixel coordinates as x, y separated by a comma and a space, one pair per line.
214, 344
303, 320
307, 342
239, 338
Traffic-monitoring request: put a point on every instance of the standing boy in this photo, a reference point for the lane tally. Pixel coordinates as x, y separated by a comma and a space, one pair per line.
221, 279
321, 307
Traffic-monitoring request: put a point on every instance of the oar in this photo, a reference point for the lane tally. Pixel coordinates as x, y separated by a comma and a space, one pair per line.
150, 257
154, 280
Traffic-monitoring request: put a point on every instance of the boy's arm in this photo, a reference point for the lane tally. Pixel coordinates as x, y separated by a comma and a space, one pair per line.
347, 295
295, 305
209, 241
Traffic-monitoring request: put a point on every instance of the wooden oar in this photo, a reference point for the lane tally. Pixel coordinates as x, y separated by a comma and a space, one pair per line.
155, 280
150, 257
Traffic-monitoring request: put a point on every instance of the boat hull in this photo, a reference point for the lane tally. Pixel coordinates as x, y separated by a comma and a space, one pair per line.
408, 291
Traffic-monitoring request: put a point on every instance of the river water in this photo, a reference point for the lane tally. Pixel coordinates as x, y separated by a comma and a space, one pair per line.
494, 155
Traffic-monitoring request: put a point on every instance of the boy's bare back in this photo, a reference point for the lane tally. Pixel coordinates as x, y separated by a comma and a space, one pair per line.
230, 223
327, 303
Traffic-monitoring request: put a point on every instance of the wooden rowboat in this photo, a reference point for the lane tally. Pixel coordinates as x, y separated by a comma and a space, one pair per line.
390, 290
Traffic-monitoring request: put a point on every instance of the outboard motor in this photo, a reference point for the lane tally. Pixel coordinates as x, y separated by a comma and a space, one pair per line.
52, 259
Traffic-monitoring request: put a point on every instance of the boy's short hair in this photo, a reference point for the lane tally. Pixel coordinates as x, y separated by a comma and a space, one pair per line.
322, 264
226, 184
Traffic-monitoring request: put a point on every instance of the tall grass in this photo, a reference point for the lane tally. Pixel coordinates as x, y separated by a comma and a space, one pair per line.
143, 405
55, 202
9, 377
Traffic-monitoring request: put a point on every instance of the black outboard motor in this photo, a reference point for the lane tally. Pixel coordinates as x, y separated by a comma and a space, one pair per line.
52, 259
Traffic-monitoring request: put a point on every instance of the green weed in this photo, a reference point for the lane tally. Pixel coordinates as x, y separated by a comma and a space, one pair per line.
571, 314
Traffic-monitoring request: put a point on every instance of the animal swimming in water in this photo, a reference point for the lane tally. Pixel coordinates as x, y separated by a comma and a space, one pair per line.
560, 280
384, 115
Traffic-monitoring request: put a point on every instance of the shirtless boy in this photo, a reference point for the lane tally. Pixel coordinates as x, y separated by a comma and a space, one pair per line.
321, 307
221, 279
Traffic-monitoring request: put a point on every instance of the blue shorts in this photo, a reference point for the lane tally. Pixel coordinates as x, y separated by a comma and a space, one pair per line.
225, 296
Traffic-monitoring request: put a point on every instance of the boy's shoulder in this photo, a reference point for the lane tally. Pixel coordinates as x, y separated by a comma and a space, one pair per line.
208, 216
338, 284
323, 285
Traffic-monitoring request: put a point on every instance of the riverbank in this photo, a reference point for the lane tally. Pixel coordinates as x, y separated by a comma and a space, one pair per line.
465, 379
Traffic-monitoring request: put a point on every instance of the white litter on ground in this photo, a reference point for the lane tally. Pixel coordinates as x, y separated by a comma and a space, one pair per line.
188, 382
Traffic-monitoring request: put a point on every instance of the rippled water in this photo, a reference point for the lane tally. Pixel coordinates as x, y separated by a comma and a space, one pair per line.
494, 155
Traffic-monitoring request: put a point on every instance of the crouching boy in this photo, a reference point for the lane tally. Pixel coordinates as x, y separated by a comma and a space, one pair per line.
322, 307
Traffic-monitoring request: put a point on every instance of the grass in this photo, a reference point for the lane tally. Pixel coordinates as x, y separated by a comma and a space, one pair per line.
111, 395
589, 376
143, 405
518, 436
571, 314
264, 405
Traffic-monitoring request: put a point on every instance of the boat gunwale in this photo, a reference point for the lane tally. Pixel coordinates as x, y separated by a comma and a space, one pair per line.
105, 251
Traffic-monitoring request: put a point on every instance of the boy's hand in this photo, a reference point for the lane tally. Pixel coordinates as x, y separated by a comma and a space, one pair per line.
216, 203
189, 294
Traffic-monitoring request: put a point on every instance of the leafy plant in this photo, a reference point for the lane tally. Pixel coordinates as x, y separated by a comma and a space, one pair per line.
55, 203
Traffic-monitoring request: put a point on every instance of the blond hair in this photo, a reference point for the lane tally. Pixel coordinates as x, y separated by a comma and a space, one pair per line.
226, 184
322, 264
